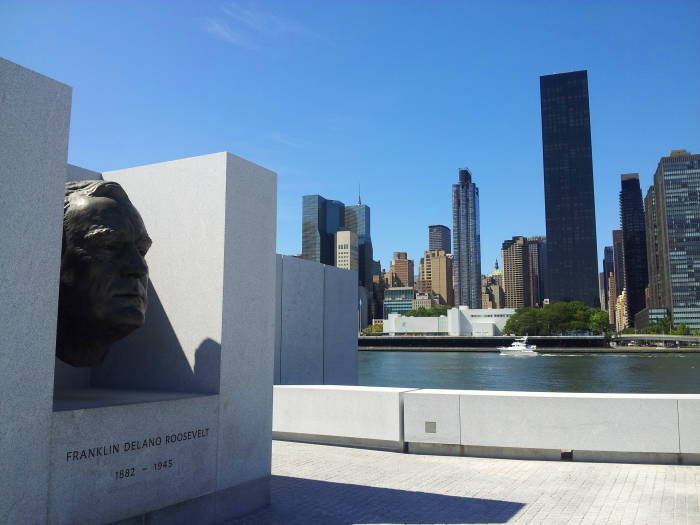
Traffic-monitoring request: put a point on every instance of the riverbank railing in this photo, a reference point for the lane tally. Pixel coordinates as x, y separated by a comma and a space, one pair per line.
637, 428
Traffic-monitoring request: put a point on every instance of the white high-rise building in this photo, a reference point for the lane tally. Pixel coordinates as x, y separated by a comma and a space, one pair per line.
346, 250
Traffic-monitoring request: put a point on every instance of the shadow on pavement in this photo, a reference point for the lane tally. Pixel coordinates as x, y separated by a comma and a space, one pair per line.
301, 500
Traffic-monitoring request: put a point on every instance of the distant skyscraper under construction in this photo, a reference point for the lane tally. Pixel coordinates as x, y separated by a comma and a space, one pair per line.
568, 188
466, 245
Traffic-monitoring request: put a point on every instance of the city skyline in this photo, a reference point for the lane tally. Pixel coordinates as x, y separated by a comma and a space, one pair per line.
329, 100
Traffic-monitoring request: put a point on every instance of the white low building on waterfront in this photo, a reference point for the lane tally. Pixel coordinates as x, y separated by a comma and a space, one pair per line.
462, 321
398, 324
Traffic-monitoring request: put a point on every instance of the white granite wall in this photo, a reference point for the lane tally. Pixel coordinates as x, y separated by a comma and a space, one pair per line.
301, 322
34, 121
183, 205
316, 324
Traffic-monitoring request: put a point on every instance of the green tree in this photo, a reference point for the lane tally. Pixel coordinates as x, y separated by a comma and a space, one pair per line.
599, 322
662, 326
435, 311
557, 318
681, 329
373, 329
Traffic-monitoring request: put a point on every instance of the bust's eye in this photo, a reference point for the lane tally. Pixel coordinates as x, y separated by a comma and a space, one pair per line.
111, 246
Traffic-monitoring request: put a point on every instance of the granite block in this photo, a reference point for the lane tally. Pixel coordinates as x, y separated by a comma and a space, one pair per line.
115, 462
302, 322
340, 326
432, 416
34, 120
689, 423
372, 413
247, 355
569, 421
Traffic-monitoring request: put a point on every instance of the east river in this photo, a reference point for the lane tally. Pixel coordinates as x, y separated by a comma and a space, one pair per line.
673, 373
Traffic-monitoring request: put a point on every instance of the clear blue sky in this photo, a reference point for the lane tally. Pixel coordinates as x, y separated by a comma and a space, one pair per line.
395, 96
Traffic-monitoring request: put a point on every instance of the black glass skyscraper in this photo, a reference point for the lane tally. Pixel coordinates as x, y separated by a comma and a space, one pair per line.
618, 260
568, 188
608, 268
634, 244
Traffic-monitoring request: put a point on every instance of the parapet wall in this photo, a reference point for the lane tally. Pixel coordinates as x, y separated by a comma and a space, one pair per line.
647, 428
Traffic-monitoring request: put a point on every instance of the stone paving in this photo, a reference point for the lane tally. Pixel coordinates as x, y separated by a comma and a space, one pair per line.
316, 484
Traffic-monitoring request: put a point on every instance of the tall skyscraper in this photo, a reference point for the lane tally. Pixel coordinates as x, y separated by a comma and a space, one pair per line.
673, 230
656, 261
608, 268
466, 244
516, 272
602, 287
378, 285
634, 244
537, 262
439, 238
568, 188
612, 298
321, 218
619, 260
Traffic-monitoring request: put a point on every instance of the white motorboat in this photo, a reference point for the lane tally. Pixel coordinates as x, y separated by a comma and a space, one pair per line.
518, 347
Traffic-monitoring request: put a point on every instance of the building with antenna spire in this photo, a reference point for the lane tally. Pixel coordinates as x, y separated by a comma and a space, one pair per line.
357, 219
322, 219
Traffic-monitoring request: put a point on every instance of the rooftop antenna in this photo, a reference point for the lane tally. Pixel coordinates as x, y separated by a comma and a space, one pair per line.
359, 197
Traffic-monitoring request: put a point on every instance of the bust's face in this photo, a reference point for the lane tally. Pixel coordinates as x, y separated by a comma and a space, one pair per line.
104, 274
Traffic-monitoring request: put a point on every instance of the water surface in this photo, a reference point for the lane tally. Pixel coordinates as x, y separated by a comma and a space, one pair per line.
671, 373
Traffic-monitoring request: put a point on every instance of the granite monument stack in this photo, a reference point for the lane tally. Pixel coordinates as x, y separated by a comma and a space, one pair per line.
174, 425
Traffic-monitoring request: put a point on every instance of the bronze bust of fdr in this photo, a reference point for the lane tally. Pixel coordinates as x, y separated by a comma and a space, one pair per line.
104, 275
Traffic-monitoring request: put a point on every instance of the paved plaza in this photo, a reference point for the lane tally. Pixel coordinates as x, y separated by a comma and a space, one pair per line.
316, 484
